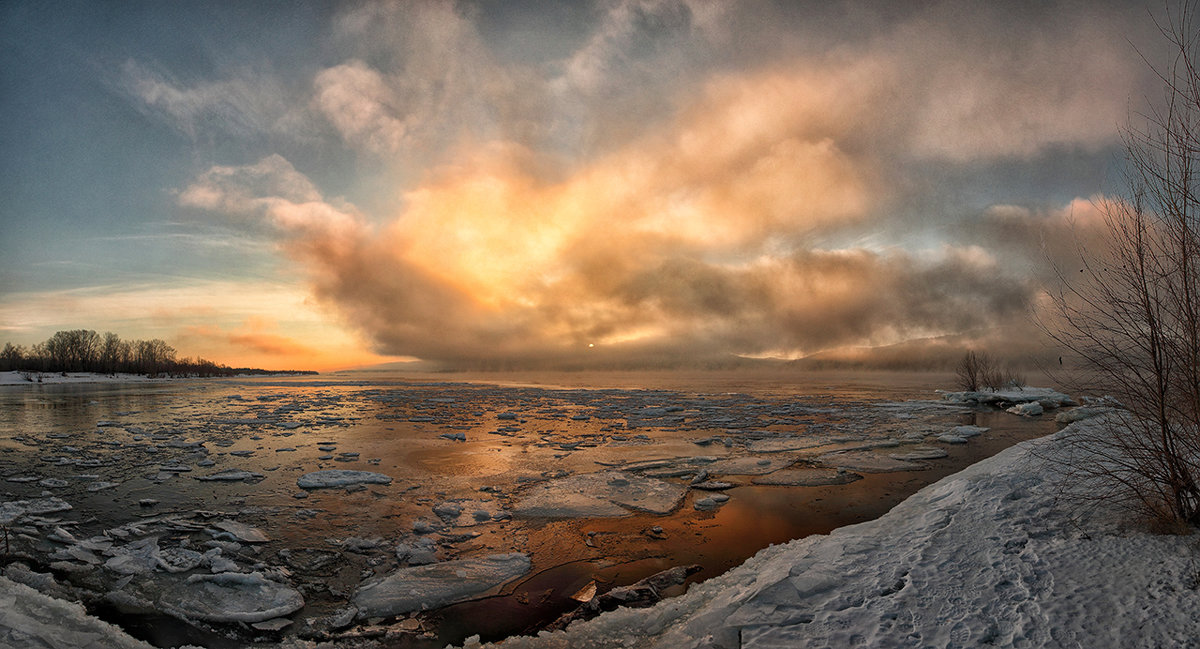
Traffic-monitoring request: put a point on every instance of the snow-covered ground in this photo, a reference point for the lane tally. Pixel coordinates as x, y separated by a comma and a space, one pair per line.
31, 620
986, 557
28, 378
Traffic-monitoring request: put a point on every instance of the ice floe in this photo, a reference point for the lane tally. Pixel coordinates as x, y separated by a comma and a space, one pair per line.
231, 475
242, 532
436, 585
866, 462
340, 478
603, 494
807, 477
229, 597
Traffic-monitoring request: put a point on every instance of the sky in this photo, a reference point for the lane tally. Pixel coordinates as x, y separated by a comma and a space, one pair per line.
495, 184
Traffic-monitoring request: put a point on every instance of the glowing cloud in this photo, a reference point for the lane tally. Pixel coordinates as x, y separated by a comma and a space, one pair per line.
730, 220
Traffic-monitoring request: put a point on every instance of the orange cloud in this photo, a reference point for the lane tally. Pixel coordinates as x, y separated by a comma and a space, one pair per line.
719, 230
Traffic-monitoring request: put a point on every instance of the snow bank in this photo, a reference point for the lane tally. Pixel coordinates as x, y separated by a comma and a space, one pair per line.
983, 557
32, 620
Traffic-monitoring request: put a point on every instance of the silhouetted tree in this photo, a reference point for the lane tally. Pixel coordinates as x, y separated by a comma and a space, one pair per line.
1133, 314
12, 357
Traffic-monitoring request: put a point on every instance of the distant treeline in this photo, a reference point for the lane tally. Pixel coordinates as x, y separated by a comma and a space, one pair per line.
84, 350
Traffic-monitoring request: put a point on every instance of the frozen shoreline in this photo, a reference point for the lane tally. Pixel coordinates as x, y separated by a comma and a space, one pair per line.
48, 378
984, 556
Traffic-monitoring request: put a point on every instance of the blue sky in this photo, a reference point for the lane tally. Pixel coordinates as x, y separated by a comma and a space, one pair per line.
560, 183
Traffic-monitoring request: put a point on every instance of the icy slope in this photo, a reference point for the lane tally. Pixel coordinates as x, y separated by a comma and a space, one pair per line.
985, 557
31, 620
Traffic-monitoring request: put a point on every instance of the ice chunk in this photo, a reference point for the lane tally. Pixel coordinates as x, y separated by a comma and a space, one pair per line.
807, 477
14, 509
1049, 398
135, 558
968, 431
243, 532
421, 552
921, 453
712, 485
866, 462
467, 513
784, 444
604, 494
340, 478
231, 597
179, 559
748, 465
1031, 409
231, 475
433, 586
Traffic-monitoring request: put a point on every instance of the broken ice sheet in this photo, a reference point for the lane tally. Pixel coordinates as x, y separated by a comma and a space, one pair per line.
749, 465
604, 494
807, 477
340, 478
242, 532
866, 462
231, 475
920, 453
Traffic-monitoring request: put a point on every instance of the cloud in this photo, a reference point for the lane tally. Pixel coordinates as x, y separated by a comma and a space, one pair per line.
359, 103
661, 251
739, 200
258, 335
419, 79
247, 102
990, 82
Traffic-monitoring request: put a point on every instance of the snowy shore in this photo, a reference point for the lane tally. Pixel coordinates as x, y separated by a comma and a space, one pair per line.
44, 378
986, 557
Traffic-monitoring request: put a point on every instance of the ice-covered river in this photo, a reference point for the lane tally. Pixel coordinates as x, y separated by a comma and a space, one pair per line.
423, 509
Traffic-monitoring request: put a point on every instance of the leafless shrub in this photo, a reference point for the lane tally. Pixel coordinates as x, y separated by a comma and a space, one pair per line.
977, 370
1131, 313
969, 371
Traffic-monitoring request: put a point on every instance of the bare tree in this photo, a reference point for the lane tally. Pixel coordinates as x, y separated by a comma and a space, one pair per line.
110, 352
970, 370
1132, 312
12, 357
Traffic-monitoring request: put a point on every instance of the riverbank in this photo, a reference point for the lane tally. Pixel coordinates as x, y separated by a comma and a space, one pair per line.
988, 556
